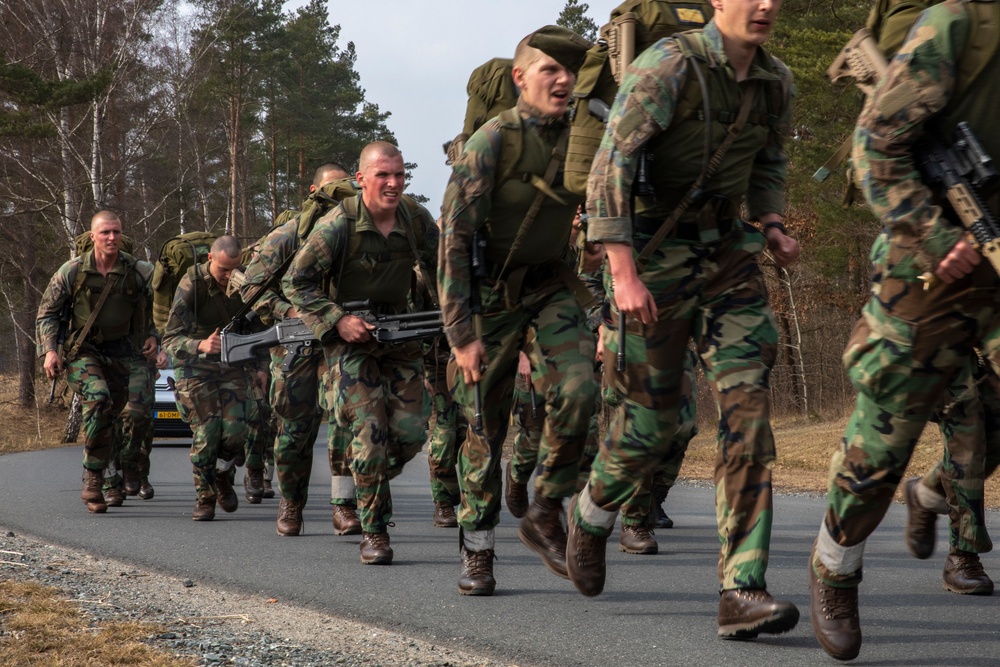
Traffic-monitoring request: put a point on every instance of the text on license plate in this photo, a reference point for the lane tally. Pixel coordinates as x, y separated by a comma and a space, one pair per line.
168, 414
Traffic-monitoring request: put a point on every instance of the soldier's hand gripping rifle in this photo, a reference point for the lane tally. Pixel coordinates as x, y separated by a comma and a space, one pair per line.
477, 271
966, 175
295, 336
600, 110
65, 314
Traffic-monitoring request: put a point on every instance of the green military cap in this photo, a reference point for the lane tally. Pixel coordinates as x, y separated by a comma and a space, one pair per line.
561, 44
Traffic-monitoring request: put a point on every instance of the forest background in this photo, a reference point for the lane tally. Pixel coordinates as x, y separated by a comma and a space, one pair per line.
212, 115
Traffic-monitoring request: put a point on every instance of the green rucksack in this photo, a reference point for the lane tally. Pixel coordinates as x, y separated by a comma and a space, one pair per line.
82, 244
491, 90
635, 26
176, 256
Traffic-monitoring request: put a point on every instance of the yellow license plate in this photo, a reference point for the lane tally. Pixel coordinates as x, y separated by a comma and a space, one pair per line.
168, 414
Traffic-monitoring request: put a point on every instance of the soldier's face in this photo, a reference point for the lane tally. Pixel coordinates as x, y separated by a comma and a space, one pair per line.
107, 236
746, 21
382, 182
546, 85
221, 266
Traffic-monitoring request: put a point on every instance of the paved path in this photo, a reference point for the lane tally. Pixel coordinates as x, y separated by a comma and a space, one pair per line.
656, 610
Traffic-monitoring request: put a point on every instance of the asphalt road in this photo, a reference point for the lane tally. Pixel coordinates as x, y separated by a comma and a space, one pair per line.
656, 610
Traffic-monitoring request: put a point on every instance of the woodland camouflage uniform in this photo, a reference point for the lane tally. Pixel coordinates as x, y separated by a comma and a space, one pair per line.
293, 394
100, 371
213, 398
374, 390
911, 343
707, 286
544, 305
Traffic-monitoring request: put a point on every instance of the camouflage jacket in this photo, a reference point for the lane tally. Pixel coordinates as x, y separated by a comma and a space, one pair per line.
186, 328
60, 290
311, 279
644, 108
914, 96
468, 203
276, 247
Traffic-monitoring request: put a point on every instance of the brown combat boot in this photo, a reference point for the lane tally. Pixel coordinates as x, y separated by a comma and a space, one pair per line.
834, 614
444, 516
477, 572
542, 531
585, 555
225, 493
964, 574
253, 486
920, 523
113, 497
515, 494
637, 540
132, 482
744, 613
375, 549
289, 517
92, 496
345, 520
204, 509
146, 490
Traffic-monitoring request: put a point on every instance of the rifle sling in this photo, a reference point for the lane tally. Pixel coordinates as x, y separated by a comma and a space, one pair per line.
713, 164
112, 279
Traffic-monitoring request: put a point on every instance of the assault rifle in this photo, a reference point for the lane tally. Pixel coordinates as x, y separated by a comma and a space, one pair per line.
295, 336
964, 171
862, 61
477, 271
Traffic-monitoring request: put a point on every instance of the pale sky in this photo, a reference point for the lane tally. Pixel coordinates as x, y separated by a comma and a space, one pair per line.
415, 57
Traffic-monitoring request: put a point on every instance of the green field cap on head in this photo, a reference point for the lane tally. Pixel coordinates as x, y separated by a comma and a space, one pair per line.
563, 45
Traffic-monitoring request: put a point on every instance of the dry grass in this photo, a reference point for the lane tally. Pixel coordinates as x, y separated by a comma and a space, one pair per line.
29, 429
38, 627
804, 451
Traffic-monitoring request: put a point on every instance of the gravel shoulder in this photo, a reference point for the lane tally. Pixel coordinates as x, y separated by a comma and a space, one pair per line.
215, 627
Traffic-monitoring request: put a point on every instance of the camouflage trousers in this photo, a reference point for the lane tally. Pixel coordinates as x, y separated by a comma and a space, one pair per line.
215, 405
528, 419
447, 437
102, 383
134, 426
972, 410
377, 392
908, 348
714, 294
563, 356
294, 396
635, 511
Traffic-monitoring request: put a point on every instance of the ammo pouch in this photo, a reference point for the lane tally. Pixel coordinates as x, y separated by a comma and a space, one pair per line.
714, 220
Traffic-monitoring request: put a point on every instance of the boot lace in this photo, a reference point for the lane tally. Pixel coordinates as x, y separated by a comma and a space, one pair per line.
838, 602
479, 563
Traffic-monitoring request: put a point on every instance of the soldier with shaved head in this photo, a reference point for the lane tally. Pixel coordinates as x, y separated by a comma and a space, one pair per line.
109, 295
366, 249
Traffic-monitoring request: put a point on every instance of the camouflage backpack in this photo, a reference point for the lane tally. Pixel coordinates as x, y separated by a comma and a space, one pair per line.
176, 256
82, 243
635, 26
491, 90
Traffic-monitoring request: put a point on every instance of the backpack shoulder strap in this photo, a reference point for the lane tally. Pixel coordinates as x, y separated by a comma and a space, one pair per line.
512, 145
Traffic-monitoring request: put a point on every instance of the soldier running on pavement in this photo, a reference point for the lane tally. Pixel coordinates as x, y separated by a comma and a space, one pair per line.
108, 294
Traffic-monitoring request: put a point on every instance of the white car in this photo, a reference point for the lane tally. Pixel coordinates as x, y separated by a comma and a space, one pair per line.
167, 422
